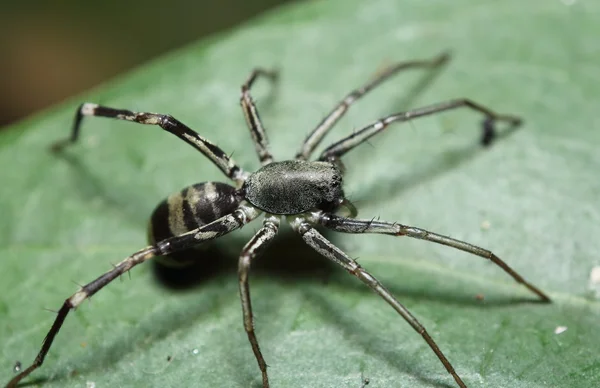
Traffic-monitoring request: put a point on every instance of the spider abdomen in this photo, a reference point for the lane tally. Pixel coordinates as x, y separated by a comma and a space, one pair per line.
295, 186
191, 208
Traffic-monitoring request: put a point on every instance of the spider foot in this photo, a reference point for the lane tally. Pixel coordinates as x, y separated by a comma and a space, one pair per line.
489, 134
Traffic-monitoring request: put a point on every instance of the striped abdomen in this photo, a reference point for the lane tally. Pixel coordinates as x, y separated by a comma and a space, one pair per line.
191, 208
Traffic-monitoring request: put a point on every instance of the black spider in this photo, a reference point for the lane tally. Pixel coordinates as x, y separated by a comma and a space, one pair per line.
307, 193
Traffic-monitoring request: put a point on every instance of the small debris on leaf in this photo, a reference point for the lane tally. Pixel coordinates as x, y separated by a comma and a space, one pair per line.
594, 283
365, 382
560, 329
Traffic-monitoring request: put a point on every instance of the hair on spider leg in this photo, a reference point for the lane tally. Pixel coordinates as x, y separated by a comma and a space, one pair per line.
120, 276
306, 193
77, 283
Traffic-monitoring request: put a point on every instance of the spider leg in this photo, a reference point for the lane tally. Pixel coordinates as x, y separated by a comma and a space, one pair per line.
255, 125
252, 249
349, 225
217, 228
166, 122
323, 246
315, 137
344, 145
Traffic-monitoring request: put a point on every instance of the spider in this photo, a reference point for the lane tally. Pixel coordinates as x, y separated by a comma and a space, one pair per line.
306, 193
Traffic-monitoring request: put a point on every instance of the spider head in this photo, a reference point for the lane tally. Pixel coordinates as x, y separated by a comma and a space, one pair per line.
295, 186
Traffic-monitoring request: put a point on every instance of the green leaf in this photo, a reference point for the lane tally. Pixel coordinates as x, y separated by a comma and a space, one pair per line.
67, 218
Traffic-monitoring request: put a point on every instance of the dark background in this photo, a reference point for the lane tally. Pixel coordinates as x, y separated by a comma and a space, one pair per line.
52, 50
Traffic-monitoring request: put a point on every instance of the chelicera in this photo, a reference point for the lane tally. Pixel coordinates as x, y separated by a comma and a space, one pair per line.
308, 194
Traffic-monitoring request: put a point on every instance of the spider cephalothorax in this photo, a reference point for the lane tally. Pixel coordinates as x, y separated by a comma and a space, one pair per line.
307, 193
294, 187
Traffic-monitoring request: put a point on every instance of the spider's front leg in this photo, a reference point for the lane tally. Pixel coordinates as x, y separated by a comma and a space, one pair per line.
215, 229
313, 140
349, 225
257, 131
339, 148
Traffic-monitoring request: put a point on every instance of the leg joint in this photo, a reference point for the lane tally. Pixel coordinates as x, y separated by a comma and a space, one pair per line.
167, 122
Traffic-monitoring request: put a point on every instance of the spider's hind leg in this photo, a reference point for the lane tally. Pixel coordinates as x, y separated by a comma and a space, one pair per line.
167, 123
224, 225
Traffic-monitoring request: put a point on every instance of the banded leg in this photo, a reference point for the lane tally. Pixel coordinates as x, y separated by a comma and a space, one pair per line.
333, 253
257, 130
349, 225
315, 137
339, 148
217, 228
254, 248
166, 122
